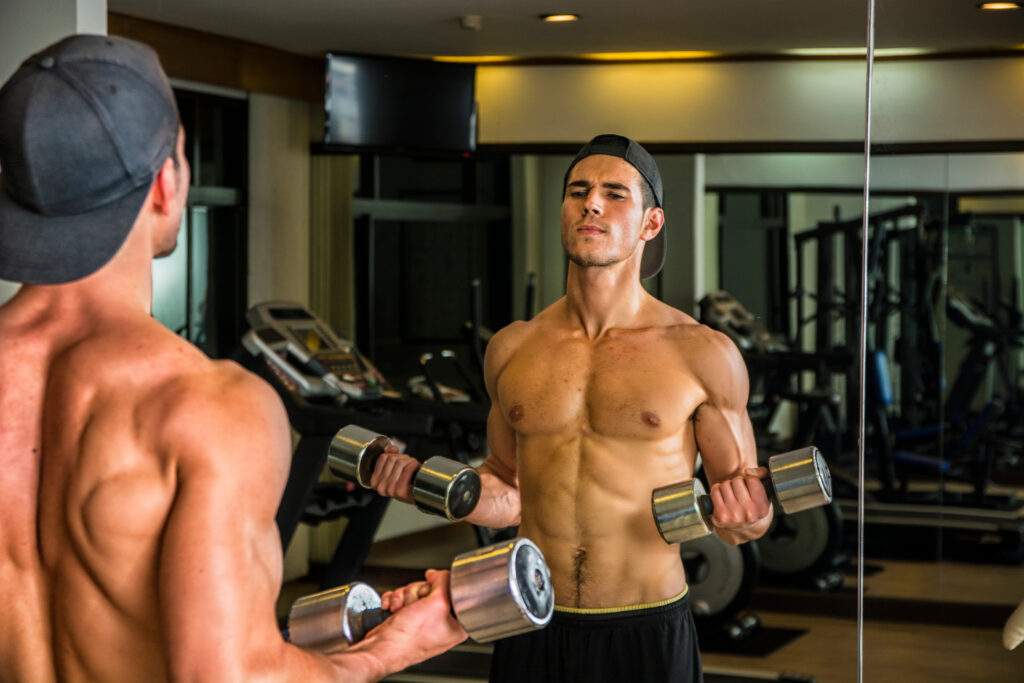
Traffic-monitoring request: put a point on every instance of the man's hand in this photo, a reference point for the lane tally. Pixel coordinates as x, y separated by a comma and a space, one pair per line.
422, 624
741, 503
393, 474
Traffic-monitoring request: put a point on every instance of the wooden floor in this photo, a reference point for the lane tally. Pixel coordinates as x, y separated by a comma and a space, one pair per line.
904, 651
893, 651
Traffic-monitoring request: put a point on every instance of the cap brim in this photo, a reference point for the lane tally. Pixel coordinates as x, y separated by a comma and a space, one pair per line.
654, 256
50, 250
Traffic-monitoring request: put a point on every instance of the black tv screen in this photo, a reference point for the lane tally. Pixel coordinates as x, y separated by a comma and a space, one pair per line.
399, 103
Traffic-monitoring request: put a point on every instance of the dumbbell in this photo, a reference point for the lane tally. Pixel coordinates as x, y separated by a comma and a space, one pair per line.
796, 481
442, 486
498, 591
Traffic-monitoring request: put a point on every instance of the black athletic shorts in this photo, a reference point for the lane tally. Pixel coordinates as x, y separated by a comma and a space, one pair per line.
634, 644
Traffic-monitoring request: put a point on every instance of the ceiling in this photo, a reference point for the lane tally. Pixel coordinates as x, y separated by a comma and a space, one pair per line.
512, 28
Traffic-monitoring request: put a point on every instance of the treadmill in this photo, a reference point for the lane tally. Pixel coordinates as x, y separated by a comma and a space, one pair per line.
325, 384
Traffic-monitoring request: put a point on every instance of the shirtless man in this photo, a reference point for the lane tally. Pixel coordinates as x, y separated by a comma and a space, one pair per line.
140, 479
604, 396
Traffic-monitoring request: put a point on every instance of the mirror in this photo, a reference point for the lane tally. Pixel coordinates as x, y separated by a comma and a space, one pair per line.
944, 444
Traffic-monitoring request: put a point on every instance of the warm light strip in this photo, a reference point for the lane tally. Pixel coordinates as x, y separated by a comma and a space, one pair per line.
648, 56
559, 18
825, 51
479, 59
856, 52
809, 53
999, 5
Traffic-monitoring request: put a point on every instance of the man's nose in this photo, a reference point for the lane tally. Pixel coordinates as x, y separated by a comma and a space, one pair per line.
592, 204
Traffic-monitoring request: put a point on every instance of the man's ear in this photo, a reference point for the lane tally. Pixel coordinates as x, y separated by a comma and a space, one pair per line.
653, 222
165, 187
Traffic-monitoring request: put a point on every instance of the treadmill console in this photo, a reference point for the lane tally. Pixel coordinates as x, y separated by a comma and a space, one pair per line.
309, 357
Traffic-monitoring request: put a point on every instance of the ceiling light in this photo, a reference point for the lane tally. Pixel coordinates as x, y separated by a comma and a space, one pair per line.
998, 5
559, 18
471, 22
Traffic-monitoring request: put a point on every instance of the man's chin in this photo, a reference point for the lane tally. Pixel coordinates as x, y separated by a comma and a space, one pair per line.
164, 253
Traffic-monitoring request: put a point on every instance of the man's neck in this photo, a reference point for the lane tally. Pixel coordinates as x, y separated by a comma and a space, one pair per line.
123, 285
601, 298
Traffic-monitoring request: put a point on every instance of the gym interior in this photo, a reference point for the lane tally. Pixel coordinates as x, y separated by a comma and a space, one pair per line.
872, 277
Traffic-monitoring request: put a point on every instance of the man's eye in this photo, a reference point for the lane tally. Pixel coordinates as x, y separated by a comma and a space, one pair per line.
616, 196
578, 193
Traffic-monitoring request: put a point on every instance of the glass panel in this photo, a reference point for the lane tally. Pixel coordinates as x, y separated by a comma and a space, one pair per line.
170, 284
199, 275
945, 441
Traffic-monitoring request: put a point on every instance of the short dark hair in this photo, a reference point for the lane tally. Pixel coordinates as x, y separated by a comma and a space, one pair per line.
646, 194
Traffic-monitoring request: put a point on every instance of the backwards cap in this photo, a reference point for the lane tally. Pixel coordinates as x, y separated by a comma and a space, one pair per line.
85, 125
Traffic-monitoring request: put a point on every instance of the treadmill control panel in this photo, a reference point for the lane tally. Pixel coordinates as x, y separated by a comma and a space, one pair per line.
309, 357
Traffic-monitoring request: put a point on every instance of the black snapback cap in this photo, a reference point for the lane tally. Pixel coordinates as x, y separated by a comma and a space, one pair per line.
638, 157
84, 127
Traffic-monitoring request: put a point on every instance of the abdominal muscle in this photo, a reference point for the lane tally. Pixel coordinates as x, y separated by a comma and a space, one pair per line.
586, 502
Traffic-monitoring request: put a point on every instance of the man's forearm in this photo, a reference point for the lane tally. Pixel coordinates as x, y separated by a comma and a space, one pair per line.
372, 659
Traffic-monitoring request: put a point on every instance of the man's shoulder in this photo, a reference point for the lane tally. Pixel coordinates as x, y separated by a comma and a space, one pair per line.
179, 388
217, 408
217, 389
696, 339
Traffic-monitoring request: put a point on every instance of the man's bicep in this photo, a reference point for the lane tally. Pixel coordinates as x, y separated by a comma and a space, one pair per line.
722, 425
501, 443
221, 557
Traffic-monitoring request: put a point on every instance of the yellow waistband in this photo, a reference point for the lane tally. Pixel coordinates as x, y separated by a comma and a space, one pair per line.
623, 608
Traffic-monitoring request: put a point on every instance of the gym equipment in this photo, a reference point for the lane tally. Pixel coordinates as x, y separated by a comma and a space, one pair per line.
902, 417
797, 480
309, 356
721, 579
441, 486
774, 370
723, 312
341, 387
497, 591
805, 548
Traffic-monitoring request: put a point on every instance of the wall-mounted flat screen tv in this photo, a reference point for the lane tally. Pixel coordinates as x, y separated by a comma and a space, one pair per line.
392, 103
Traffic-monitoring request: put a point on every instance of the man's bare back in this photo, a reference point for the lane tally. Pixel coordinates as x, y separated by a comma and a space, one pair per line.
102, 397
598, 424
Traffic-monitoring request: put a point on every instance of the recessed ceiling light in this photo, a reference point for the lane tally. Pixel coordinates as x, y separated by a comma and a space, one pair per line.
998, 5
559, 17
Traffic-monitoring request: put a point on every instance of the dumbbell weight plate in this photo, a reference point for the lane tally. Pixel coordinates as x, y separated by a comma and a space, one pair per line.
446, 487
802, 543
353, 453
721, 577
330, 621
678, 513
502, 590
801, 479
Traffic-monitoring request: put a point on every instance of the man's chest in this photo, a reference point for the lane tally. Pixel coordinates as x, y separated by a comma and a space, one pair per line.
612, 388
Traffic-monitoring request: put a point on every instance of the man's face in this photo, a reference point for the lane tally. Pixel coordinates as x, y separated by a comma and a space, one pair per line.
168, 239
602, 211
